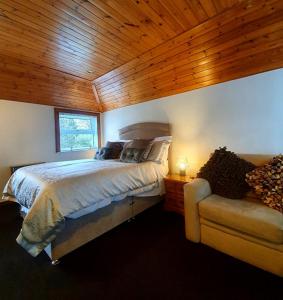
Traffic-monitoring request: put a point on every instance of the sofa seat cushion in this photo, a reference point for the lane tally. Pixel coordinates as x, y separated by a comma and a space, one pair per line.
248, 217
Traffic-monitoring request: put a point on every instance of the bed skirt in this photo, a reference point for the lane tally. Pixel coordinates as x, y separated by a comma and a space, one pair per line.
78, 232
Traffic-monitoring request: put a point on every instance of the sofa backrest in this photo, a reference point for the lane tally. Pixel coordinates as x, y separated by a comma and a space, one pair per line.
257, 159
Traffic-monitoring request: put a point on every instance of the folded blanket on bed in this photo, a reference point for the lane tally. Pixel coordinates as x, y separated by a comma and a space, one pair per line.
53, 191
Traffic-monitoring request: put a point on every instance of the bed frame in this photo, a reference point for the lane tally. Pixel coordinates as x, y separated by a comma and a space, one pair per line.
78, 232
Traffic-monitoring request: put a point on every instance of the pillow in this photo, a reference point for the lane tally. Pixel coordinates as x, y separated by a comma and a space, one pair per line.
158, 151
147, 151
139, 144
103, 153
226, 173
167, 138
165, 154
116, 147
267, 182
131, 155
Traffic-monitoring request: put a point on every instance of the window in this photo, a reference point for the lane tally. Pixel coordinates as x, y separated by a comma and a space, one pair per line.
76, 130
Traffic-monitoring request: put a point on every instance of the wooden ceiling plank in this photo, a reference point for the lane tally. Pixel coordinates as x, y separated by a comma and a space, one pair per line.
48, 100
44, 90
62, 95
197, 10
23, 64
28, 38
53, 19
223, 61
31, 24
31, 89
151, 61
22, 88
31, 44
53, 8
22, 18
148, 12
218, 5
59, 15
84, 16
206, 63
122, 45
225, 77
263, 7
31, 76
31, 57
144, 11
138, 18
176, 24
133, 33
209, 7
200, 46
180, 10
126, 23
137, 50
257, 60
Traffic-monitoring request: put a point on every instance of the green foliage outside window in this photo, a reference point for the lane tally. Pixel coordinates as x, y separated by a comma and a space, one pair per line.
78, 132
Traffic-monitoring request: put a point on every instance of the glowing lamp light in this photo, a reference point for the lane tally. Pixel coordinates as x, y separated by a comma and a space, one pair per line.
183, 164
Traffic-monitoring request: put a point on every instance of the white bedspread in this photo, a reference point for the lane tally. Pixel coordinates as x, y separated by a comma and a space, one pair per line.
53, 191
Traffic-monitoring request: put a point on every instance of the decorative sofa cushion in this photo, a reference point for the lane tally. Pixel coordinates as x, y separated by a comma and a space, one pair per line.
226, 173
131, 155
267, 182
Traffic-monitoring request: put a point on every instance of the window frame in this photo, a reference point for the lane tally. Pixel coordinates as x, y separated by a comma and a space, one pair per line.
57, 112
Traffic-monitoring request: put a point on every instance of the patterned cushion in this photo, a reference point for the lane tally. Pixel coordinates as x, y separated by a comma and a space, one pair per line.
226, 173
267, 182
131, 155
140, 144
137, 144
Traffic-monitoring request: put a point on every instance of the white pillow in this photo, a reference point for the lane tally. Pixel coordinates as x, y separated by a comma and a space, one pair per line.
159, 151
164, 138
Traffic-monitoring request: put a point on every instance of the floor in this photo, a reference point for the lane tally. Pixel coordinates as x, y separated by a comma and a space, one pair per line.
145, 259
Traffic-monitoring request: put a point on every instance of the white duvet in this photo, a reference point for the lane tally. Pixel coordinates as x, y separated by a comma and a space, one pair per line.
53, 191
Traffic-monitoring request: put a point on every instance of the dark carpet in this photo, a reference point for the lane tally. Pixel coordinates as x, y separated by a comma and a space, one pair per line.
145, 259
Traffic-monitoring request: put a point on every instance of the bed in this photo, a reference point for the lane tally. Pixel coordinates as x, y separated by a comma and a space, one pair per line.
60, 230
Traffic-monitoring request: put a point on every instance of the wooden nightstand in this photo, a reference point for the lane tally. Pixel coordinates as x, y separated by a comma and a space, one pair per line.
174, 198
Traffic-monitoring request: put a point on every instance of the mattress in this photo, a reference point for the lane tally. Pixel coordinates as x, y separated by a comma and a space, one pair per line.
157, 191
52, 192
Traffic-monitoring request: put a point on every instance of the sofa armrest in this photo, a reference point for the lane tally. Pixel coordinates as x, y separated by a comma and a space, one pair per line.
194, 192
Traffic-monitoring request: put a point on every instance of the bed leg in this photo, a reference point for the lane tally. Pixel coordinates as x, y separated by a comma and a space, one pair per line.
131, 219
55, 262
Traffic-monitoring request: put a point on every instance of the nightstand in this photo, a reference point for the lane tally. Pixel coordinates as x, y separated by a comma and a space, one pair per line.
174, 198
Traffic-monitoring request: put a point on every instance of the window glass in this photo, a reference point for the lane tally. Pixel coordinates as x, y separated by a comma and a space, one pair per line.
77, 132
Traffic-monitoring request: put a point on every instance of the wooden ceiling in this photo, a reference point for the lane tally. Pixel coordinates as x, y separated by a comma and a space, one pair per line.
103, 54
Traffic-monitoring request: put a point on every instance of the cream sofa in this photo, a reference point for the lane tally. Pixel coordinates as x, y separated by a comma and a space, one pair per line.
245, 229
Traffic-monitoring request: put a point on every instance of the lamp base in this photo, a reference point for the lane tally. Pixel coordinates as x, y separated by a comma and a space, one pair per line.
182, 173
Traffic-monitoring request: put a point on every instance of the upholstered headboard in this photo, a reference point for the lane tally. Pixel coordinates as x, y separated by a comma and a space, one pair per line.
147, 130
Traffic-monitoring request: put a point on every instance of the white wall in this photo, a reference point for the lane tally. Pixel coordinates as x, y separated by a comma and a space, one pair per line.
246, 115
27, 135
